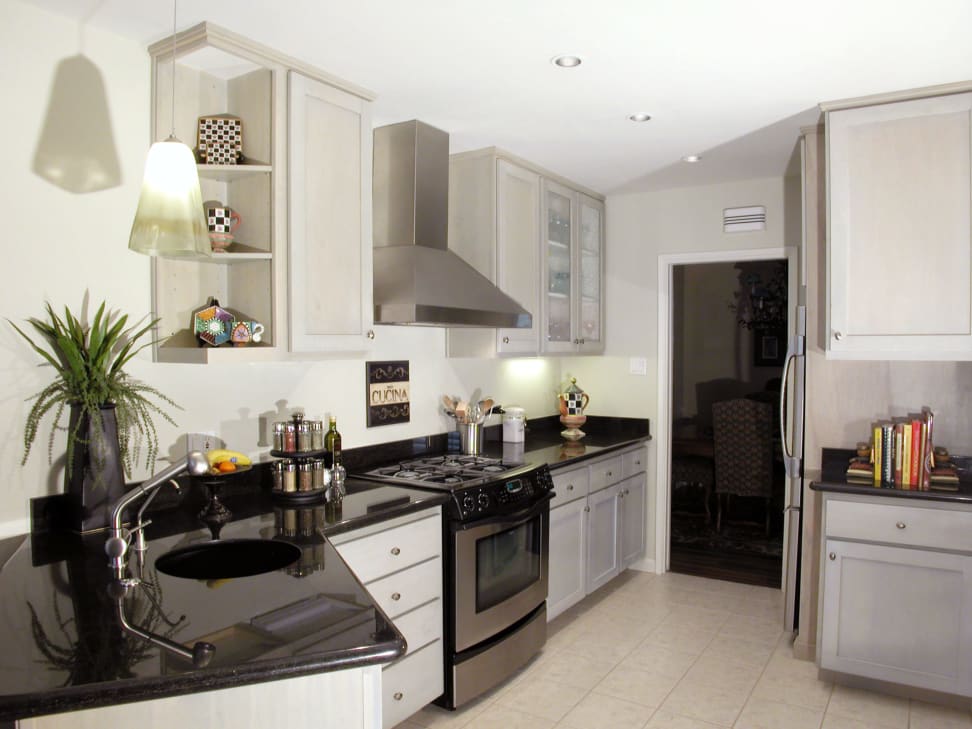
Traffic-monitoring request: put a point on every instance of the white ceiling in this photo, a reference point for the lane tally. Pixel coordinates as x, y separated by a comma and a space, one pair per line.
731, 80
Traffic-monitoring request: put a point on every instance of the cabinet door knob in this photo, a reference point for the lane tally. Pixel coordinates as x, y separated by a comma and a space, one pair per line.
832, 556
587, 508
570, 487
637, 463
506, 340
621, 495
396, 596
396, 551
609, 474
583, 341
371, 334
900, 525
398, 696
838, 336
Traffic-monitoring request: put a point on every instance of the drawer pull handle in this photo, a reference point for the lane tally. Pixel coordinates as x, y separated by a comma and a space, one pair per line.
609, 474
398, 696
506, 340
396, 596
396, 551
900, 525
637, 463
570, 487
832, 556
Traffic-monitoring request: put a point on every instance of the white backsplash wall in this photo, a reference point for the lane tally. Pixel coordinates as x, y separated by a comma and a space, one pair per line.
57, 245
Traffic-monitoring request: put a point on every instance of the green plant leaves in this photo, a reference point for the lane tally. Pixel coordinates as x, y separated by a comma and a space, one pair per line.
89, 362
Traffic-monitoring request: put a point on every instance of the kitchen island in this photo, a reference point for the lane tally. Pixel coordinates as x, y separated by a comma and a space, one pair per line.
66, 650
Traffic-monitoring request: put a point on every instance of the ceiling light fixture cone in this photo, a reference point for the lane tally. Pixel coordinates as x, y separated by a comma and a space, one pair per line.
567, 60
169, 220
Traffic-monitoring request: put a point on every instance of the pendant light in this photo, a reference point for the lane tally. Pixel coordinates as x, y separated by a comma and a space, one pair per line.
170, 220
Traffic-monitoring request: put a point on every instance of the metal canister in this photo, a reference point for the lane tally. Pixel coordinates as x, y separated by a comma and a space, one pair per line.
278, 436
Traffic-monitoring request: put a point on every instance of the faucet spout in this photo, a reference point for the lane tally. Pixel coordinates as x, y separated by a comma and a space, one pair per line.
116, 546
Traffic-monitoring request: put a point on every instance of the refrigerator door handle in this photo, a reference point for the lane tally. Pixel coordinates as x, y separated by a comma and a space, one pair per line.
792, 459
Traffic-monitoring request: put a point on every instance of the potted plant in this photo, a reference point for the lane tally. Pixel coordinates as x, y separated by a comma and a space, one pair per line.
110, 413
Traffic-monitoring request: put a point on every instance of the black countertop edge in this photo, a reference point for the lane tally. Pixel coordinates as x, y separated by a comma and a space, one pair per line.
130, 691
419, 501
832, 480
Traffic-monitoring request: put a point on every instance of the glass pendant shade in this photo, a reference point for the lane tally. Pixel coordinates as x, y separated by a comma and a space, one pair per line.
170, 220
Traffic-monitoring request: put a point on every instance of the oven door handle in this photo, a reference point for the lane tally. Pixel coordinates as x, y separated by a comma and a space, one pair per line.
512, 520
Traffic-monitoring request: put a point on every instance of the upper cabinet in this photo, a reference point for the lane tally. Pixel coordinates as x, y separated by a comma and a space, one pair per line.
302, 190
572, 271
900, 226
540, 240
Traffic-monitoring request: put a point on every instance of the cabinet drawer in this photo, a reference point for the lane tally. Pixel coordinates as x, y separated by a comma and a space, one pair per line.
392, 550
410, 683
606, 472
906, 525
421, 626
633, 462
400, 592
570, 485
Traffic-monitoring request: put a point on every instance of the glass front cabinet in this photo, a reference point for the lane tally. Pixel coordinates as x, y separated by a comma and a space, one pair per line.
573, 271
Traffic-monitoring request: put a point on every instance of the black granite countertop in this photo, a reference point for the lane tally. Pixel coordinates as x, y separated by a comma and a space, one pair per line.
832, 479
65, 648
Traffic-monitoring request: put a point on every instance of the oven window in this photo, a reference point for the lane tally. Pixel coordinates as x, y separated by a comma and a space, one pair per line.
507, 563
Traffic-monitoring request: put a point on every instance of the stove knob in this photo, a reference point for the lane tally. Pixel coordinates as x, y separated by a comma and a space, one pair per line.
483, 501
468, 503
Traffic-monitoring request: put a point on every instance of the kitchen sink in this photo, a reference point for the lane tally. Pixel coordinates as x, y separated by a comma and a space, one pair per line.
227, 558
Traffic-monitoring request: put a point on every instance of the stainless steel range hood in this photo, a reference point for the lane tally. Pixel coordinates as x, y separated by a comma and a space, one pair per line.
417, 279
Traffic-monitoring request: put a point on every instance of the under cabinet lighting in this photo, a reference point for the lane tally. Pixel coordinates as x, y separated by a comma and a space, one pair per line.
640, 116
691, 158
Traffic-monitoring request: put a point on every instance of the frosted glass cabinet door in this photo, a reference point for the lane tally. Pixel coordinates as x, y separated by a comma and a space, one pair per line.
589, 265
559, 216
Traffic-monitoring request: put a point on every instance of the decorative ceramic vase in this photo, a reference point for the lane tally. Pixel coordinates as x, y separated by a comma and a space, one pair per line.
95, 480
573, 400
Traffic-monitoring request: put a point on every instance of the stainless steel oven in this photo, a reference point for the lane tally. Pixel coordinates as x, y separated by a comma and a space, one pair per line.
495, 544
500, 571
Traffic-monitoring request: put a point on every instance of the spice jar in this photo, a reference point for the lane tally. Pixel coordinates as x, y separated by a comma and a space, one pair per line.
278, 475
305, 476
317, 435
289, 475
278, 436
290, 438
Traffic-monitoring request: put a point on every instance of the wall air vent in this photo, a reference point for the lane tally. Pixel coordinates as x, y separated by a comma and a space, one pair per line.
739, 220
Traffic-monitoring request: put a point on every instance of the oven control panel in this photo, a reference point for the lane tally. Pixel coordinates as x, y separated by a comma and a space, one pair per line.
504, 495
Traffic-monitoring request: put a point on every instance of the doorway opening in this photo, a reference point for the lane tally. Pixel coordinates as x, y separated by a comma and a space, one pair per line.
726, 479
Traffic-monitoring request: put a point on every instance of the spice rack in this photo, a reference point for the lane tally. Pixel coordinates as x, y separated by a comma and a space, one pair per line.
302, 473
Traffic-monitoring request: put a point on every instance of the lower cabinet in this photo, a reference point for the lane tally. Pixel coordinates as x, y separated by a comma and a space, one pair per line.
597, 525
339, 700
896, 601
400, 564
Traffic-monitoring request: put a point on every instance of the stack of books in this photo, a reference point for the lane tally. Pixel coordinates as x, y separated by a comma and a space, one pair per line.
902, 455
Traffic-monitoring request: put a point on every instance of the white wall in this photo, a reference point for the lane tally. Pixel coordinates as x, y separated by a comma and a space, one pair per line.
57, 245
640, 228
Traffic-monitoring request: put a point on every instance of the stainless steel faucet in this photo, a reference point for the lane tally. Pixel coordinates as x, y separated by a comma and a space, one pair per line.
117, 544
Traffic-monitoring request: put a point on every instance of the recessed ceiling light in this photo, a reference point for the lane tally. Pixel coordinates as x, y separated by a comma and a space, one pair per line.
692, 158
566, 61
640, 116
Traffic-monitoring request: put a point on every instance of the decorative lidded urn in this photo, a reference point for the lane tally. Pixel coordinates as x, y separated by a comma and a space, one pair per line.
573, 401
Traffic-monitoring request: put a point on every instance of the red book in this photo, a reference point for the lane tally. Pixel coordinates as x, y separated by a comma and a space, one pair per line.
915, 451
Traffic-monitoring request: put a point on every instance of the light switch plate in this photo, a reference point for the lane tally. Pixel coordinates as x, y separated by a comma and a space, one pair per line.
638, 366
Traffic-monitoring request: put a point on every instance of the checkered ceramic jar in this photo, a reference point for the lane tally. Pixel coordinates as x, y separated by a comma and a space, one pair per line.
573, 400
219, 139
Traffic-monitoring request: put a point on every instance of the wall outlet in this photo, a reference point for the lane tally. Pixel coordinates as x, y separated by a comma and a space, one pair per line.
638, 366
204, 442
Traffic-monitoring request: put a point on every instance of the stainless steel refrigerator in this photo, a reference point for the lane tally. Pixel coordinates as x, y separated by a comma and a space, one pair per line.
792, 399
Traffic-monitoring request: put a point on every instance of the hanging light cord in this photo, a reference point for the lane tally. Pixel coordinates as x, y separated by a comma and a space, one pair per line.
175, 3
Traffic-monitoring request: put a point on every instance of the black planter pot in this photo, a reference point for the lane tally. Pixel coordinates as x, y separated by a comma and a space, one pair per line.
95, 479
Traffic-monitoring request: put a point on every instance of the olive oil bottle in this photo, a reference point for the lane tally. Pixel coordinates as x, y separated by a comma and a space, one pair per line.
332, 444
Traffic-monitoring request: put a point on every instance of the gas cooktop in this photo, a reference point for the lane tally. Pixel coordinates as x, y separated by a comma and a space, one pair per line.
446, 472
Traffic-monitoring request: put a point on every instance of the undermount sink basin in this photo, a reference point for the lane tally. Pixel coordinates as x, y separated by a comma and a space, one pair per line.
228, 558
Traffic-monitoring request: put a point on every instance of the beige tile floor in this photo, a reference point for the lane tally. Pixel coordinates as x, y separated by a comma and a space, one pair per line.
679, 652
